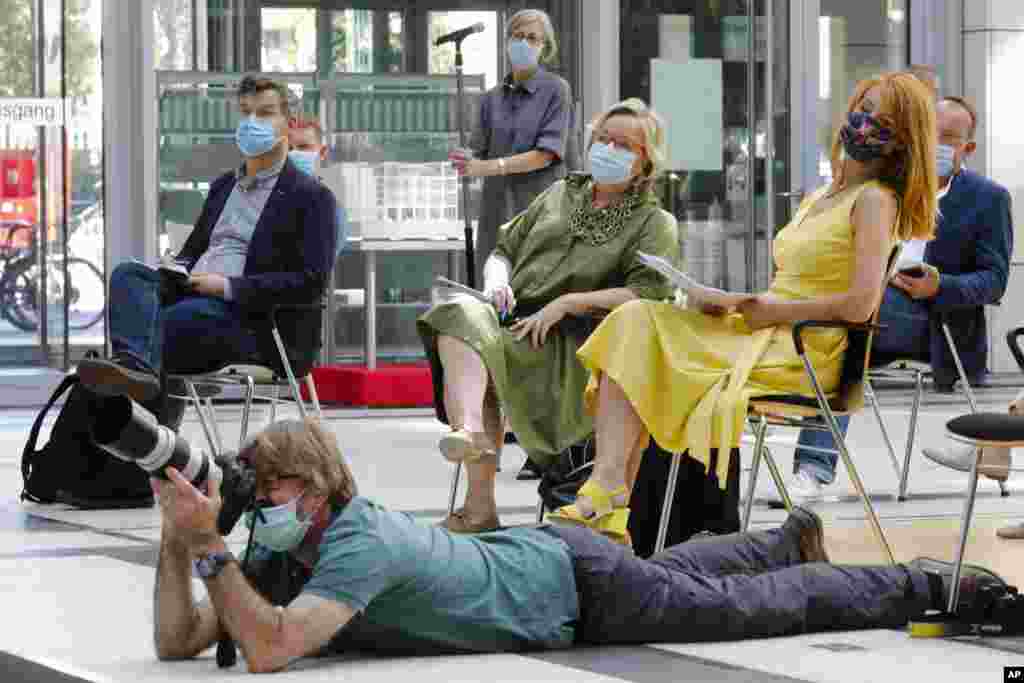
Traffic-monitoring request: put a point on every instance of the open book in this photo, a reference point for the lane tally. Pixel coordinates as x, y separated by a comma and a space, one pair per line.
174, 271
692, 288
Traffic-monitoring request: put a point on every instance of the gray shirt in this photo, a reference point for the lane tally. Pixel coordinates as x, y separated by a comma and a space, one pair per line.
229, 241
516, 118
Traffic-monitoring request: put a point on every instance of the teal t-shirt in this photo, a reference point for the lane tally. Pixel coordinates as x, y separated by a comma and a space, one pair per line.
420, 588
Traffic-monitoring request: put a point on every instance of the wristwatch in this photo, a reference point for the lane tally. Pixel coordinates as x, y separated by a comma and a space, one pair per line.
210, 565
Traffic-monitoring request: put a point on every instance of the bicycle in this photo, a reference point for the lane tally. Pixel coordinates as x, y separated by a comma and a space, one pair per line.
20, 280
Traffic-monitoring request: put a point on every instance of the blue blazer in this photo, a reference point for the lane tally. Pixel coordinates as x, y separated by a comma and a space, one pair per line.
972, 247
289, 260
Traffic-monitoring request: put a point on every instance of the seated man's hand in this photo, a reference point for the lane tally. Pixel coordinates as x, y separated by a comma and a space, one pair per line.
208, 284
925, 287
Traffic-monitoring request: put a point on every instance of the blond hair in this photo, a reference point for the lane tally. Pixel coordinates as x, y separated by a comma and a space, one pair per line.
653, 130
305, 450
528, 16
910, 170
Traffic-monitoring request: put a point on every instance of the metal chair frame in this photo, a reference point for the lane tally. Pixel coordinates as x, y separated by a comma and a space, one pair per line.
900, 369
1013, 341
236, 375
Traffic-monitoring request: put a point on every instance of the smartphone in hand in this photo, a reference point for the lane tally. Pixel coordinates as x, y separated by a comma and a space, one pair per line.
913, 271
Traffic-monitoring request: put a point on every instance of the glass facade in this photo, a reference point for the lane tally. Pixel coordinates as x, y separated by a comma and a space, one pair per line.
51, 160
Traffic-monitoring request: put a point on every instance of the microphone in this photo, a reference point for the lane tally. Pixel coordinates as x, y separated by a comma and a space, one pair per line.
456, 36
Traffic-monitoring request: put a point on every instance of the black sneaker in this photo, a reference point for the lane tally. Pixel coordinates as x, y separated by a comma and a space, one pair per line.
973, 580
810, 534
119, 377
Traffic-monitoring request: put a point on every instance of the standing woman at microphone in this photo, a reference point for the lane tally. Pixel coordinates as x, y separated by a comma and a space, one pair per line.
519, 143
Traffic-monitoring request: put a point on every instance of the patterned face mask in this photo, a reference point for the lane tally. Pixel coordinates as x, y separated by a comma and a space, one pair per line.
864, 138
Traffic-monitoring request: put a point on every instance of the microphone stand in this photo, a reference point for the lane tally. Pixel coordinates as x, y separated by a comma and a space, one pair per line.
461, 123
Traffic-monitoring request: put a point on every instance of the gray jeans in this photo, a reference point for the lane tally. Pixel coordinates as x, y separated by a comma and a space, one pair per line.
749, 585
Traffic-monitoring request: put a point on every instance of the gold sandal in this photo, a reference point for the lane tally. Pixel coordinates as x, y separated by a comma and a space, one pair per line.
608, 519
463, 446
458, 523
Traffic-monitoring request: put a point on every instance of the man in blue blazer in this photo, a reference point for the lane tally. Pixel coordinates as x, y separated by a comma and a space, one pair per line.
266, 236
965, 267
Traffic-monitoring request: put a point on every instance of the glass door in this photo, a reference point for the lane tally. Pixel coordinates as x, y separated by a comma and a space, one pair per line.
51, 217
718, 73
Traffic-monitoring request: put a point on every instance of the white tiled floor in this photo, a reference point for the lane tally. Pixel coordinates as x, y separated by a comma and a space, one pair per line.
88, 613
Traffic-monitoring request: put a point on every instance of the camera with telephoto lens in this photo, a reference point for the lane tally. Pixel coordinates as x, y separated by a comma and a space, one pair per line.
127, 431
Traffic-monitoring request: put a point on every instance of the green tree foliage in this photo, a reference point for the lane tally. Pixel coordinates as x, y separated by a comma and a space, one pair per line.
18, 52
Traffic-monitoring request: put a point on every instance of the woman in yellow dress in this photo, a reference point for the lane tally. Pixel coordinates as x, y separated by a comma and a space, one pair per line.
684, 376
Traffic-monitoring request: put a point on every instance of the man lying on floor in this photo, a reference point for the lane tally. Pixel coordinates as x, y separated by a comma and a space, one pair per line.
379, 580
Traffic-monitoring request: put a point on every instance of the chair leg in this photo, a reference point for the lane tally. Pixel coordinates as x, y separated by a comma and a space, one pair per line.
273, 402
965, 527
214, 424
198, 405
455, 487
844, 453
666, 504
313, 396
872, 398
859, 485
540, 510
250, 391
760, 428
901, 495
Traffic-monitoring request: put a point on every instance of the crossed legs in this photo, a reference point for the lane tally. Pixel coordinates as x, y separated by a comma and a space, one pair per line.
472, 407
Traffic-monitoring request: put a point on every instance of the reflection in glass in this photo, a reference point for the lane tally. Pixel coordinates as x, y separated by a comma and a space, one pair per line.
479, 52
857, 41
366, 41
172, 33
288, 40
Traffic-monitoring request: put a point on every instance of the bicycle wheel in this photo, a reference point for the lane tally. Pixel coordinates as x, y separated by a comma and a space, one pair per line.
87, 303
18, 292
85, 296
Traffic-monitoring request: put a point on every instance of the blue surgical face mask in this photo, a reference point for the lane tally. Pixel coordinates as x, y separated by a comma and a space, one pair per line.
522, 55
611, 165
255, 136
280, 528
945, 160
306, 161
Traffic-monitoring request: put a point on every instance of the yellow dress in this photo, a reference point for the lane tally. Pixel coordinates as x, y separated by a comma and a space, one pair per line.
690, 376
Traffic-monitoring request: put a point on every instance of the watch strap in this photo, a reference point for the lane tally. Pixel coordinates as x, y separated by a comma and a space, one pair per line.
210, 565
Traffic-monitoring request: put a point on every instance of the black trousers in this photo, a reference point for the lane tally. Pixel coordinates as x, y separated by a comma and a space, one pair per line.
749, 585
700, 504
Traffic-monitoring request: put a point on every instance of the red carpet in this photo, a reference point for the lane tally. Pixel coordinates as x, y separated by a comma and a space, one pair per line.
388, 386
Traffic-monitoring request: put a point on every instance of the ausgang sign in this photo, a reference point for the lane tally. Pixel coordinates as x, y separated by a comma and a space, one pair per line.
32, 111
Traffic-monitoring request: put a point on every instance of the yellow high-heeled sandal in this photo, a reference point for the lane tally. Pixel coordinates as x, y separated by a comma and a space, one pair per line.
608, 519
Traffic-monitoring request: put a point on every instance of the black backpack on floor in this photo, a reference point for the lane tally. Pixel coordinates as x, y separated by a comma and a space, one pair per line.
72, 469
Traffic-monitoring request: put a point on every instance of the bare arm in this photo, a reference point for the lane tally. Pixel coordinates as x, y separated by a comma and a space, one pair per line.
873, 217
526, 162
584, 303
181, 628
272, 637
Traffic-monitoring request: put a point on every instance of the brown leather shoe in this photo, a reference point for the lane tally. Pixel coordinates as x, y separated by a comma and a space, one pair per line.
810, 534
464, 446
118, 378
459, 523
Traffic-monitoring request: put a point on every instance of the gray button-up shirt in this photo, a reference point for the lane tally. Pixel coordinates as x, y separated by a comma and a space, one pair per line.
516, 118
229, 241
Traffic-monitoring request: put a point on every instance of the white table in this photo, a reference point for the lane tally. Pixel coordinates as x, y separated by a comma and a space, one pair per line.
370, 249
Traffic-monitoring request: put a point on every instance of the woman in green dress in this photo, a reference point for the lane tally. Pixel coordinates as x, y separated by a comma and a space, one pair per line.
571, 256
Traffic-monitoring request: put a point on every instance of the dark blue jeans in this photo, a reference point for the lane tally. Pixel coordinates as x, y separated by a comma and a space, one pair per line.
906, 333
749, 585
195, 334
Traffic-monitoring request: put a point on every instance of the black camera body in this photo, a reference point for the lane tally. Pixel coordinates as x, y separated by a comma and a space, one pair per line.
129, 432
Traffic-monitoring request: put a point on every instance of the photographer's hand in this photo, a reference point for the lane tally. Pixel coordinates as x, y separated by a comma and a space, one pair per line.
191, 514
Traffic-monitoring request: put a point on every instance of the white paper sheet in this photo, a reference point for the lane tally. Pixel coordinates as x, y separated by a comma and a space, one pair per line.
709, 295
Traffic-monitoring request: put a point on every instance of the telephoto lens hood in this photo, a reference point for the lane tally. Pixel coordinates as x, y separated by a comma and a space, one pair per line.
129, 432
